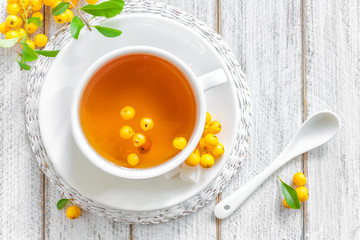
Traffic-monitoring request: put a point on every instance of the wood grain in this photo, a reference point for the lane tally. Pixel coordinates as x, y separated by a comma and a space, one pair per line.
266, 38
201, 225
332, 82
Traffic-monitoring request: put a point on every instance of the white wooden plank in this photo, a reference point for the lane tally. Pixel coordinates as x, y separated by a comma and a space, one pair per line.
201, 225
20, 177
266, 38
332, 76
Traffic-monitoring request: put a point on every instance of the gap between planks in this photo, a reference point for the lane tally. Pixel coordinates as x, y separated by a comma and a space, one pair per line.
304, 156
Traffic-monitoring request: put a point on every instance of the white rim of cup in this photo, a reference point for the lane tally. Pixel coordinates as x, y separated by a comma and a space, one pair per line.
136, 173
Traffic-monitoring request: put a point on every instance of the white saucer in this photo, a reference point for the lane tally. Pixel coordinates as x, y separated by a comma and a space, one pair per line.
54, 110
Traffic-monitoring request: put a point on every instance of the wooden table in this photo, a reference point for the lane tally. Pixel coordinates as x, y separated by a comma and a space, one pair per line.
299, 57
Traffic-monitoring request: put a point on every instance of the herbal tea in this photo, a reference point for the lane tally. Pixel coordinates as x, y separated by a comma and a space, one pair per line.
155, 89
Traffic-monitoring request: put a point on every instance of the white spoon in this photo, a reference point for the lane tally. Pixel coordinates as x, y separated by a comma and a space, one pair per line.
314, 132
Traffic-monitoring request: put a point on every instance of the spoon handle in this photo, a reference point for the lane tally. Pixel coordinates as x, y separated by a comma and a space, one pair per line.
227, 206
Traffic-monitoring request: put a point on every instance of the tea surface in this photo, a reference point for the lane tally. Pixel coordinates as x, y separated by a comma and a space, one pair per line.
155, 88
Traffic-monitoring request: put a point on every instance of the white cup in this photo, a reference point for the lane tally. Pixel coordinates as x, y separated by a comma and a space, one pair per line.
198, 84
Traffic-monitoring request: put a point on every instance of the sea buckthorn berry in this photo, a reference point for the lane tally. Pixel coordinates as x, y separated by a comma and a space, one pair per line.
12, 8
49, 2
30, 43
62, 18
203, 146
179, 143
208, 118
24, 4
139, 140
126, 132
218, 150
55, 3
73, 212
285, 203
146, 124
302, 193
12, 21
36, 5
207, 160
146, 147
11, 34
39, 15
31, 27
69, 14
4, 28
40, 40
299, 179
133, 159
21, 32
211, 140
74, 2
92, 1
193, 159
127, 113
214, 127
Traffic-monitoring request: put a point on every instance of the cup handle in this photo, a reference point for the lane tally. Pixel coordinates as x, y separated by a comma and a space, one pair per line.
212, 79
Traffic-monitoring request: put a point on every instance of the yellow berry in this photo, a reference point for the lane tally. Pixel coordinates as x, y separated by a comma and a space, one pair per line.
214, 127
74, 2
49, 2
302, 193
12, 8
211, 140
193, 159
207, 160
92, 1
36, 5
55, 3
286, 204
179, 143
69, 14
12, 1
4, 28
21, 32
208, 118
30, 43
31, 27
11, 34
127, 113
12, 21
39, 15
203, 146
40, 40
299, 179
146, 147
24, 4
126, 132
133, 159
218, 150
146, 124
139, 139
73, 212
24, 13
62, 18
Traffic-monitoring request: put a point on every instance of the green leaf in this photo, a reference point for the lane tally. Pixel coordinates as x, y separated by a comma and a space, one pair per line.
290, 195
24, 65
75, 26
35, 20
106, 9
60, 8
61, 203
28, 54
108, 32
122, 2
47, 53
6, 43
